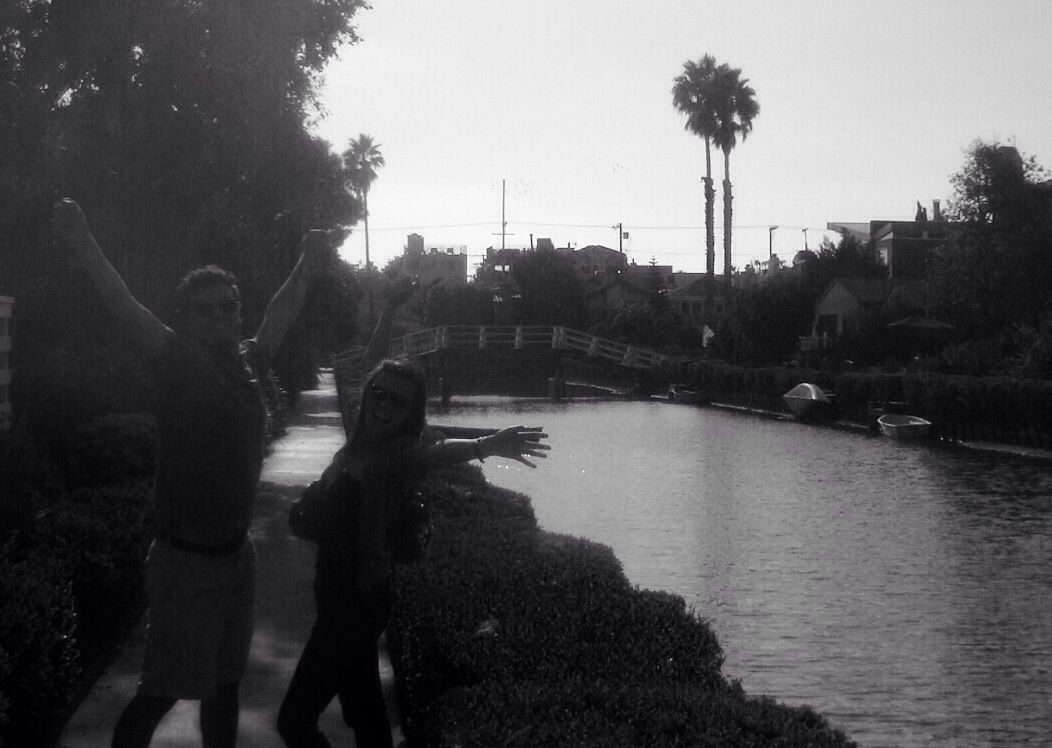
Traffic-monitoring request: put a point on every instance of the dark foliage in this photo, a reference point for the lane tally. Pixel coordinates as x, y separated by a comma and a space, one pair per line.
505, 635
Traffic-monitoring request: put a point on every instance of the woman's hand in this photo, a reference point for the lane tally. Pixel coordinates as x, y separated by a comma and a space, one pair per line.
516, 443
316, 250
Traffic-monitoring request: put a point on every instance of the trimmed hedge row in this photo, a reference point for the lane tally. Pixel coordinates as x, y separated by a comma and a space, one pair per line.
966, 408
66, 584
507, 635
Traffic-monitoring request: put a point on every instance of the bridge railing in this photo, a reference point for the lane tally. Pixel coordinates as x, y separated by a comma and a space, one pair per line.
508, 337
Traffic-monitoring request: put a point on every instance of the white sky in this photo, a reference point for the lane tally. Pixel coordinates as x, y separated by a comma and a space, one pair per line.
865, 108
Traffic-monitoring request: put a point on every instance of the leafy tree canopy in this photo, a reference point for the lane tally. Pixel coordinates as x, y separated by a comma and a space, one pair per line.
551, 290
181, 127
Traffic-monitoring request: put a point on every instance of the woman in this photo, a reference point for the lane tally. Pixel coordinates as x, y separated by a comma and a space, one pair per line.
350, 512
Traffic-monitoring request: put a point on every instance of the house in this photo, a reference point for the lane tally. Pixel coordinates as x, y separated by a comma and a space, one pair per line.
903, 246
595, 259
617, 292
696, 303
848, 303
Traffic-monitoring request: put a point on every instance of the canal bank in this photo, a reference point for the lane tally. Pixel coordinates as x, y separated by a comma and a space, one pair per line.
988, 447
900, 589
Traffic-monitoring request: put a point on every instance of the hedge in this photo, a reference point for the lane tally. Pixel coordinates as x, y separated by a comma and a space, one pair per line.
507, 635
39, 658
962, 408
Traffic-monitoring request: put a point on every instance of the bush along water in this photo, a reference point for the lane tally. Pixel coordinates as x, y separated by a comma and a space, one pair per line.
507, 635
961, 407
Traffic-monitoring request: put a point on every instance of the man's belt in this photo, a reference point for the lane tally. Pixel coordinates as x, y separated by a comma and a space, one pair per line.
227, 549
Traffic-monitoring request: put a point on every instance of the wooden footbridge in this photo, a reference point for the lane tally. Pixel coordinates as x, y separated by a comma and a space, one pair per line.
347, 365
508, 337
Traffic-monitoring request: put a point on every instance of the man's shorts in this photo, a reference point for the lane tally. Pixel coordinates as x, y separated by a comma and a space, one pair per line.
199, 624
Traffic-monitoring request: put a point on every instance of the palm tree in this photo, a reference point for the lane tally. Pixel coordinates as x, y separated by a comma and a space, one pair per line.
736, 109
695, 94
361, 160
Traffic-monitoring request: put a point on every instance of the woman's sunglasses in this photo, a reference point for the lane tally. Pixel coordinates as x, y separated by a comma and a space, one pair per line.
379, 394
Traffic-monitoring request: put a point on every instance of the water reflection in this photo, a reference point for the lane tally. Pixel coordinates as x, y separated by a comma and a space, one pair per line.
903, 590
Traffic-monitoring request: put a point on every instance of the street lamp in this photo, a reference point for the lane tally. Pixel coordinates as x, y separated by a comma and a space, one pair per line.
770, 242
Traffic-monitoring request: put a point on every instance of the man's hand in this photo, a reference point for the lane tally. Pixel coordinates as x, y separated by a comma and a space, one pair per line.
68, 224
316, 250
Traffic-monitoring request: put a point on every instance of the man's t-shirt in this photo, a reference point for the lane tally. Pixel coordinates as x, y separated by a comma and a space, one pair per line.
211, 423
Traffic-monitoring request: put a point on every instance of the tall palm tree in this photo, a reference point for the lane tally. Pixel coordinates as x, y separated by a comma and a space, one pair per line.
736, 109
361, 160
695, 93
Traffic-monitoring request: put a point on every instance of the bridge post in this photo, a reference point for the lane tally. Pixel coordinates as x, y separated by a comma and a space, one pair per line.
556, 389
482, 337
518, 338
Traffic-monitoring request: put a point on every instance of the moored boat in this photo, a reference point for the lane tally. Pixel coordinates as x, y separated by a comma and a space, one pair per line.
900, 426
809, 402
679, 393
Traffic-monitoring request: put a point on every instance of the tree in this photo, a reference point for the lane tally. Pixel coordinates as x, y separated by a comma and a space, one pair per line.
361, 160
550, 288
696, 94
736, 108
182, 129
996, 271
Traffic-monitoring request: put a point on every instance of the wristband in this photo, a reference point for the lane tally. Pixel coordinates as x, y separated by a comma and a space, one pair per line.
477, 449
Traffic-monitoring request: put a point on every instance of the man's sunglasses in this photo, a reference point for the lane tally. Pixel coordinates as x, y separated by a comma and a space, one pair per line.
209, 308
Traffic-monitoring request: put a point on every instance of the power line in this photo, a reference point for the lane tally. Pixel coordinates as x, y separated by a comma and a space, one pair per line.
593, 226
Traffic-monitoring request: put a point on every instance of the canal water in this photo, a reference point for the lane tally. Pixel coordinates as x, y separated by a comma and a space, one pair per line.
903, 590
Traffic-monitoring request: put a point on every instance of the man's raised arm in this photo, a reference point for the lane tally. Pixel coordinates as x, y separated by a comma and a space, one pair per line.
69, 226
287, 303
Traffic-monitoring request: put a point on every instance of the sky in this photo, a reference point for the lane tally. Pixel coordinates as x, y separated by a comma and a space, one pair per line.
557, 114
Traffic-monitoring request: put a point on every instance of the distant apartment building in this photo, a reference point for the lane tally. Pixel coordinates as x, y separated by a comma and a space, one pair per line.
904, 247
433, 263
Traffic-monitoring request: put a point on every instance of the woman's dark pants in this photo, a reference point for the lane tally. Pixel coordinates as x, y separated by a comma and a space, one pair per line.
340, 659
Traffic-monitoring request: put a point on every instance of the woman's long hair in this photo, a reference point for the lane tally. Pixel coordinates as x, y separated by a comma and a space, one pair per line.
413, 426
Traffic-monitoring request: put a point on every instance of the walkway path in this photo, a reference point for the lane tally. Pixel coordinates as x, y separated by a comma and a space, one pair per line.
284, 606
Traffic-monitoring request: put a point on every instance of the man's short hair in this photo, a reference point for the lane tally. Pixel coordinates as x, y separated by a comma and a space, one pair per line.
209, 275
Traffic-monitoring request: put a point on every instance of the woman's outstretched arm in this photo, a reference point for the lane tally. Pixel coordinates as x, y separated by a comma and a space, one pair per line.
519, 443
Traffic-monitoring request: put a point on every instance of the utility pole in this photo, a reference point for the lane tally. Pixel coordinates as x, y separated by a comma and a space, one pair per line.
620, 237
770, 242
805, 240
503, 222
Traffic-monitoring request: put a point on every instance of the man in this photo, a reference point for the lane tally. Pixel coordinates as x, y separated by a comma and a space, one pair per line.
211, 417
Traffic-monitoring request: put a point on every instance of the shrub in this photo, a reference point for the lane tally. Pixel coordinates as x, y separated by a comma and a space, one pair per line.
100, 538
39, 658
27, 478
278, 406
112, 449
507, 635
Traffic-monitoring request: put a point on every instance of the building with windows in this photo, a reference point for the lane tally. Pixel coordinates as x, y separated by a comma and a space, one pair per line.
903, 246
433, 263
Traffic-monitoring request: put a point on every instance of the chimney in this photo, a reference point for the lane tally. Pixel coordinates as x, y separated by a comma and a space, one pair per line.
935, 212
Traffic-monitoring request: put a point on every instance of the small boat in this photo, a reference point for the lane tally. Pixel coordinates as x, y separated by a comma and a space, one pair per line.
900, 426
809, 402
679, 393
